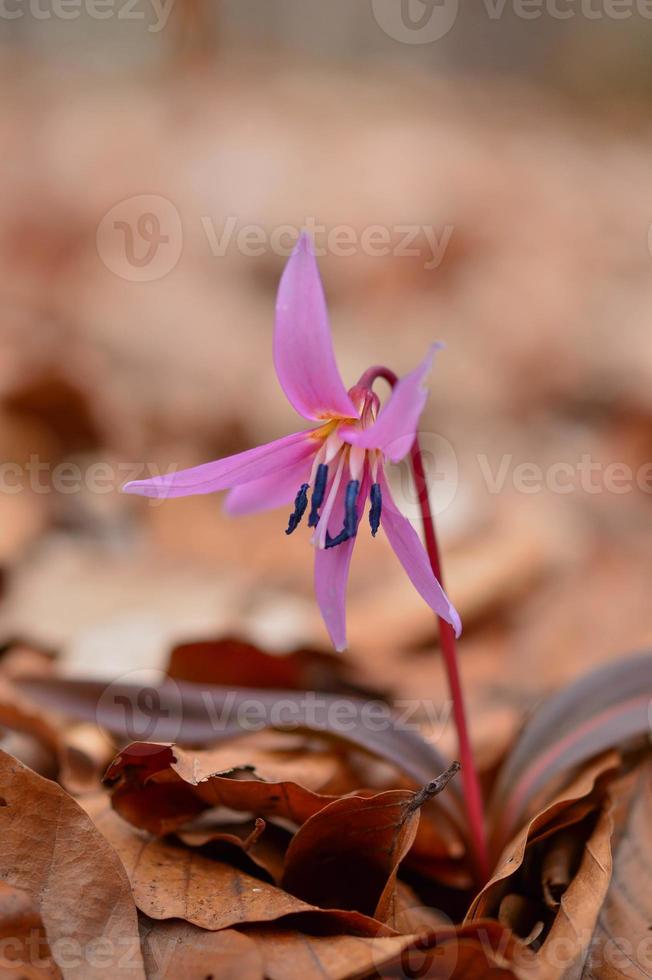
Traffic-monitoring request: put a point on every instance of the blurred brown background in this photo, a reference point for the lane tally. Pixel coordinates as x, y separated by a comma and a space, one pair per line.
476, 176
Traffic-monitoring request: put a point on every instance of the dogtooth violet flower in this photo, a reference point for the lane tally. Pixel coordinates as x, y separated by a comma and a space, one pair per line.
330, 471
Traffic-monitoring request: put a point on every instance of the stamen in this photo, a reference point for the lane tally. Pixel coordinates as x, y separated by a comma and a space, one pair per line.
319, 535
350, 516
338, 539
376, 508
321, 479
300, 504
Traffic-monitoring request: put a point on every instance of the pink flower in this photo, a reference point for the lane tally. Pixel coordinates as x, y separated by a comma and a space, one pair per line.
330, 470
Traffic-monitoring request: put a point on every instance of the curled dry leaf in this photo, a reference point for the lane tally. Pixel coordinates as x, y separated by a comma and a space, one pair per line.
602, 927
160, 788
559, 865
601, 923
567, 943
621, 945
51, 850
263, 843
170, 881
347, 855
569, 808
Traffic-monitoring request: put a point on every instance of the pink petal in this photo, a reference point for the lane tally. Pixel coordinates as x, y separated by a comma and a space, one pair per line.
331, 578
303, 349
412, 555
276, 490
230, 472
395, 429
332, 570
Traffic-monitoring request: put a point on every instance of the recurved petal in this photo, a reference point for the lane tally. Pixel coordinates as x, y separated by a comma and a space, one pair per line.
222, 474
414, 559
303, 348
276, 490
394, 430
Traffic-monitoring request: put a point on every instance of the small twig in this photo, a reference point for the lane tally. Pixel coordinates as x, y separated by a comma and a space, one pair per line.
433, 788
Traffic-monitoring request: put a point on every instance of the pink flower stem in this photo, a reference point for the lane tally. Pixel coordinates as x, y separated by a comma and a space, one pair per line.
470, 781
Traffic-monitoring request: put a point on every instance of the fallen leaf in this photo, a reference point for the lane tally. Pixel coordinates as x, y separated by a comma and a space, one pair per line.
232, 662
18, 714
170, 881
52, 851
570, 806
470, 952
621, 945
567, 943
347, 855
160, 788
24, 949
263, 843
177, 949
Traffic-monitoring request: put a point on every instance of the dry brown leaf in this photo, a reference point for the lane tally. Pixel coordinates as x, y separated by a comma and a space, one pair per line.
566, 945
559, 865
347, 855
170, 881
84, 753
233, 662
292, 954
263, 842
51, 850
622, 942
177, 949
174, 950
408, 915
24, 949
19, 715
556, 815
160, 787
471, 952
